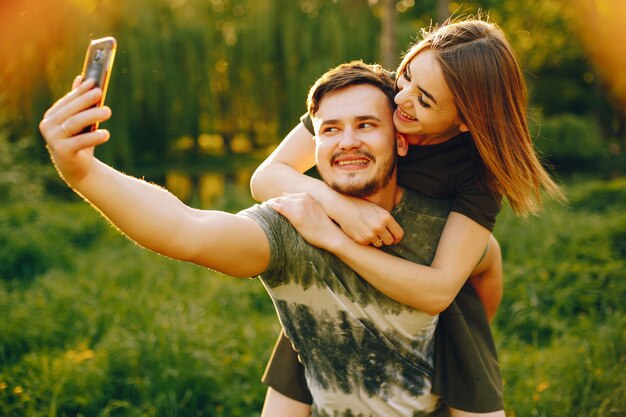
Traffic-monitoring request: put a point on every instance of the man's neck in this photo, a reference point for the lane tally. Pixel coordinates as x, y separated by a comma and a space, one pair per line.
389, 197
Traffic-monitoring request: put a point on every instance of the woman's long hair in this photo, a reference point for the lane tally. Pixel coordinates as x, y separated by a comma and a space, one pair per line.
486, 81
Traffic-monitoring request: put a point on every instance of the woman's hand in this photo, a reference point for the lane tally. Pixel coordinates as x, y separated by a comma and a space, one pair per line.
364, 222
308, 217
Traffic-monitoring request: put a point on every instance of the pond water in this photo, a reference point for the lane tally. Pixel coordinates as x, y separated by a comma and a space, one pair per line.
218, 190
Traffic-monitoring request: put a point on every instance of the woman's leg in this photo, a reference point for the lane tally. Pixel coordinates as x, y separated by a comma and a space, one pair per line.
460, 413
279, 405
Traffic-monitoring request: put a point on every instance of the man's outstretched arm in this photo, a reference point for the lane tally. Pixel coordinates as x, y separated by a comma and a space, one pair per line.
146, 213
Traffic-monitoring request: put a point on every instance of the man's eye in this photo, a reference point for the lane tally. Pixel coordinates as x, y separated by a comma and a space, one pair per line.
329, 130
365, 125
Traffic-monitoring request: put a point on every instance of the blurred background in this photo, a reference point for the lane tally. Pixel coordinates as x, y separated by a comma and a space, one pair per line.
201, 92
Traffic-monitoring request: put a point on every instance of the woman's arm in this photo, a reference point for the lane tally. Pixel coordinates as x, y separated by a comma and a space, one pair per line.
282, 172
488, 279
428, 288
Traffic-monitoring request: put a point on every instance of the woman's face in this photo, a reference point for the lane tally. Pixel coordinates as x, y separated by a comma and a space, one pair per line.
426, 112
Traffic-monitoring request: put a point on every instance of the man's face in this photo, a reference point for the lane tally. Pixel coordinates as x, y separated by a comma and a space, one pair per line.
355, 140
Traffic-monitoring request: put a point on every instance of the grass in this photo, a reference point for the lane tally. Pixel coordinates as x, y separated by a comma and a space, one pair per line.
112, 329
561, 330
95, 326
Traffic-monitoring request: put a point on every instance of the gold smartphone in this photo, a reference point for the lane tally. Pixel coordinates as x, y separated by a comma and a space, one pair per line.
98, 65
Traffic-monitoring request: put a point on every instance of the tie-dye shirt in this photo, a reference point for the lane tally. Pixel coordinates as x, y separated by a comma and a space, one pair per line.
364, 354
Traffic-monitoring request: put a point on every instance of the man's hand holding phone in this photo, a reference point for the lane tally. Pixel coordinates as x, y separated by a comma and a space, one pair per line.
61, 127
69, 127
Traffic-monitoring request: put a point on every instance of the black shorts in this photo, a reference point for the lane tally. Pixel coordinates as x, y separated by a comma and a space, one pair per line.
467, 374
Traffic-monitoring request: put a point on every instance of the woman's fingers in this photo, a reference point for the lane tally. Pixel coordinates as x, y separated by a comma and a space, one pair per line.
389, 233
395, 231
302, 207
382, 238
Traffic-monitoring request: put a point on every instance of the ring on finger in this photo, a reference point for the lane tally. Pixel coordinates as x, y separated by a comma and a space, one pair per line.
378, 243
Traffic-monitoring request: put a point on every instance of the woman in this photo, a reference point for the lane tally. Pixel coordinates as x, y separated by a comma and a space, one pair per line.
462, 106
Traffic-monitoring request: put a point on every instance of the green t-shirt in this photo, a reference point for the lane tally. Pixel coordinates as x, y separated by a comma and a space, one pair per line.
363, 353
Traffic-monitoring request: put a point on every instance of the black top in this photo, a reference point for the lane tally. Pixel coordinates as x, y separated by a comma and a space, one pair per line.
451, 169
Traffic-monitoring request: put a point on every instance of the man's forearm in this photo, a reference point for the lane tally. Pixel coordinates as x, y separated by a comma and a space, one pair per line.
145, 212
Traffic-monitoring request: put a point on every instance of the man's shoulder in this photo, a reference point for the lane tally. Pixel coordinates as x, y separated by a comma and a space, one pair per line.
276, 227
286, 244
260, 211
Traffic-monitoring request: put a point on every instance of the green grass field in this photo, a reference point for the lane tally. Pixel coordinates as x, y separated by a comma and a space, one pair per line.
92, 325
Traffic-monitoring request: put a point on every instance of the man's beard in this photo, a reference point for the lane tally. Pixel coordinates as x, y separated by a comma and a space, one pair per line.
368, 188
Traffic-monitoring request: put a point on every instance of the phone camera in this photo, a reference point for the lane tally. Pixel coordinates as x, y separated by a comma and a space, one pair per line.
97, 56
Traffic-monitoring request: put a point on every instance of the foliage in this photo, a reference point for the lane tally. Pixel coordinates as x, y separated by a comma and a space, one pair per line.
600, 197
28, 229
188, 69
578, 374
22, 178
571, 142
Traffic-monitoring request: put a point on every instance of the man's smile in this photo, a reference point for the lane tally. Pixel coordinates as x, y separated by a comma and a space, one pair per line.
351, 161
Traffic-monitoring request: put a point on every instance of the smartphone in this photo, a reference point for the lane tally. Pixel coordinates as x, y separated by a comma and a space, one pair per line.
98, 65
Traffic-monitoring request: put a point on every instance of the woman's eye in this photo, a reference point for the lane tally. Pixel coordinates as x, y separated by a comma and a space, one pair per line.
420, 99
405, 75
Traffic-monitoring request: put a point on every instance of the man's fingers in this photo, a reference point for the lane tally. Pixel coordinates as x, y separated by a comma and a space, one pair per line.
77, 82
87, 140
81, 104
75, 124
72, 116
69, 97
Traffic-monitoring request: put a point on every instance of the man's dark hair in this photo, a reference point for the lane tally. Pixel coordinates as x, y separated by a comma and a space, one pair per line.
347, 75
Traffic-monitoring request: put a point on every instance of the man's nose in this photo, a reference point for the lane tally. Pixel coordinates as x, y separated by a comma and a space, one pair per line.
350, 139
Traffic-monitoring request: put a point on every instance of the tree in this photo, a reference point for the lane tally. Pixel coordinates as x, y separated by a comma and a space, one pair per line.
388, 35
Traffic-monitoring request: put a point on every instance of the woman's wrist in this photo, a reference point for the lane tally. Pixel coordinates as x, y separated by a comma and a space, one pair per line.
330, 200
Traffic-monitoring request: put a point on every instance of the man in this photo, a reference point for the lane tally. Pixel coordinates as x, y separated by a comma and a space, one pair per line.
363, 353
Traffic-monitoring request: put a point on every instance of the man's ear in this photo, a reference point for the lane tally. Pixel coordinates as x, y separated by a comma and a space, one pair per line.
402, 144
